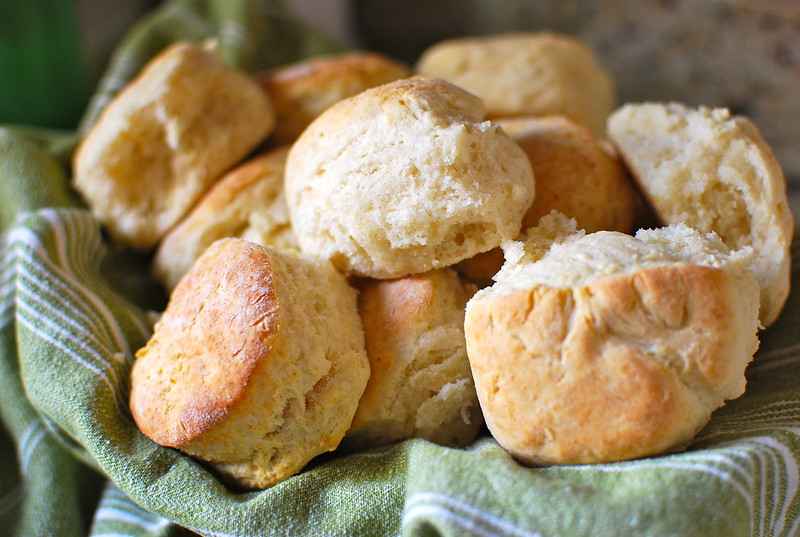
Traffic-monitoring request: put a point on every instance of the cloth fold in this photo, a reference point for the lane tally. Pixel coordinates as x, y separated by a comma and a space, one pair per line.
73, 462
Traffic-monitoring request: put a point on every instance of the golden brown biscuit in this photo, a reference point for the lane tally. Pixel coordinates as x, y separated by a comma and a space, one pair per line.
608, 347
302, 91
538, 74
420, 385
164, 140
576, 175
405, 178
713, 172
247, 203
256, 366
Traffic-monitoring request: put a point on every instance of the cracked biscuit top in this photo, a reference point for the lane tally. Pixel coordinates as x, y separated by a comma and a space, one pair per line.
713, 172
605, 347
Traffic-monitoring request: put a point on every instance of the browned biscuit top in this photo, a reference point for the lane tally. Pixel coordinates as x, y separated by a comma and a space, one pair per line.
302, 91
231, 285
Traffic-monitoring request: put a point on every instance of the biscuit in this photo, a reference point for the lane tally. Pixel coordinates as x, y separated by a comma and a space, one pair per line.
420, 385
164, 140
576, 175
713, 172
256, 366
247, 202
538, 74
607, 347
405, 178
302, 91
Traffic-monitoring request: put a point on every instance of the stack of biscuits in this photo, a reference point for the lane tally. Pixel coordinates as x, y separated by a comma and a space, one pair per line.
359, 253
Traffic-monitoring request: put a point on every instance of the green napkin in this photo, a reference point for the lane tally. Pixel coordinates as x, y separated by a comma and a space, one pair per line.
72, 462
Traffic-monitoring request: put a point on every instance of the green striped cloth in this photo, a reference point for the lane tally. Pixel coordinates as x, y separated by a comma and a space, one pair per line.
73, 463
67, 340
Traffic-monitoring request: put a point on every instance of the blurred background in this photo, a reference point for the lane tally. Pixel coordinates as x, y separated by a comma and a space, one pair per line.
742, 54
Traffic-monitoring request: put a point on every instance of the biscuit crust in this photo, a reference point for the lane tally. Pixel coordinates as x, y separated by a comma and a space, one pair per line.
576, 174
302, 91
624, 353
165, 139
247, 202
256, 366
420, 384
714, 172
538, 74
405, 178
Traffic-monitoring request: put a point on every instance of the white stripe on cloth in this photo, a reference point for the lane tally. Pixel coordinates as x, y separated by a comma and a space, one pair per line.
437, 512
48, 305
61, 241
85, 243
770, 455
46, 268
27, 455
784, 407
112, 491
28, 442
761, 505
57, 432
745, 473
770, 428
721, 475
8, 272
122, 503
487, 518
114, 494
209, 533
38, 275
114, 498
752, 425
7, 287
74, 356
28, 238
110, 514
745, 427
26, 435
65, 335
86, 228
654, 465
795, 528
790, 474
754, 463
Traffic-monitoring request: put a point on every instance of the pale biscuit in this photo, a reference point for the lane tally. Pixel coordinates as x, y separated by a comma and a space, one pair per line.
256, 366
713, 172
302, 91
248, 202
576, 175
164, 140
519, 74
405, 178
420, 385
606, 347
